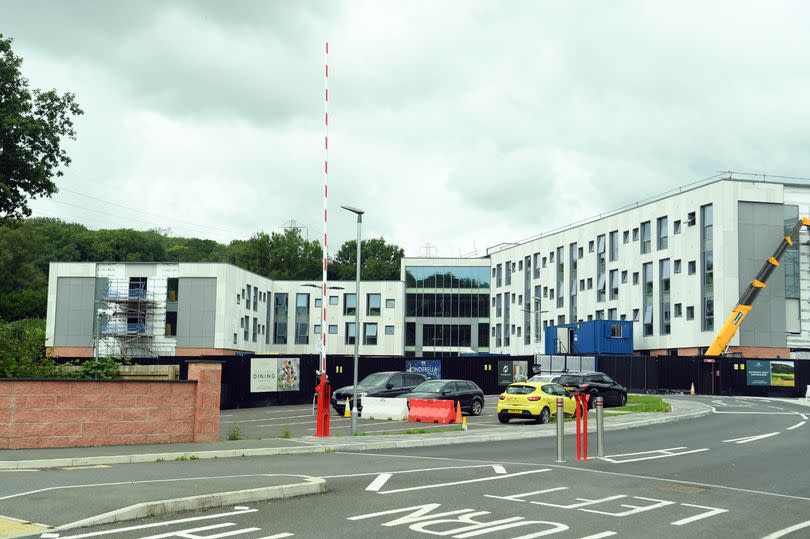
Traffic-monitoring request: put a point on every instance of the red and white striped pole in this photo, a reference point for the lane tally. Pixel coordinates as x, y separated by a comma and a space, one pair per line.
322, 422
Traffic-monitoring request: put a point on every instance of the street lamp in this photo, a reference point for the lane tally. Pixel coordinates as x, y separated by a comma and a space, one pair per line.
359, 214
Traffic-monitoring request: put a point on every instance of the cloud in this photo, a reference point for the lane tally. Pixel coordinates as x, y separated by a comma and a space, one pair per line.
458, 124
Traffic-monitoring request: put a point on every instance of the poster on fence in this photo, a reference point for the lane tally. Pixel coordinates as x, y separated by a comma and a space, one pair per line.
432, 368
269, 374
512, 371
770, 373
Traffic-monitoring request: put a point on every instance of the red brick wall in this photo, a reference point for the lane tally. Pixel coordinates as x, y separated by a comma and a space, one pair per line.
76, 413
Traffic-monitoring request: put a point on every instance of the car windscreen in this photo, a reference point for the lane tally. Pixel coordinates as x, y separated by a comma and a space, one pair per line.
569, 380
431, 386
541, 378
519, 390
376, 379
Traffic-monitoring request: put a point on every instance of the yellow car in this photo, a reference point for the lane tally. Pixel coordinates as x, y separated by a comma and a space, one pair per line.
533, 400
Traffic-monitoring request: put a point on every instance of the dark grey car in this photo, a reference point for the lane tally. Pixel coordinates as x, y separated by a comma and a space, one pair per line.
379, 384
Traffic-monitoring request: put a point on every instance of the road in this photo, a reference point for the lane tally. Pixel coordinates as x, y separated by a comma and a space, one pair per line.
738, 472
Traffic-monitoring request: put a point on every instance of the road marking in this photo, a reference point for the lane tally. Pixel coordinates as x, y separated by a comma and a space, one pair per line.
797, 425
712, 511
517, 497
158, 524
282, 418
87, 467
747, 439
645, 452
191, 534
498, 468
657, 454
600, 535
754, 413
378, 482
277, 536
785, 531
803, 416
466, 481
361, 474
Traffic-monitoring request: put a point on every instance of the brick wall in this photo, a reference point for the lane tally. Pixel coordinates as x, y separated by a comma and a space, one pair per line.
76, 413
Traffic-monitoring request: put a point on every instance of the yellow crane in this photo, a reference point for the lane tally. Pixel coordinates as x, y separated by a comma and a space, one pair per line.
743, 307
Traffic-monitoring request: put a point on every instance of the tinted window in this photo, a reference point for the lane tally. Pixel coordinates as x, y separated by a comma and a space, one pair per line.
397, 381
570, 380
594, 378
453, 387
607, 379
519, 390
413, 379
471, 386
431, 386
550, 389
376, 379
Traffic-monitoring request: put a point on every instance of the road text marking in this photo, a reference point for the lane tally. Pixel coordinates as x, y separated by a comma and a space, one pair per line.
747, 439
378, 482
466, 481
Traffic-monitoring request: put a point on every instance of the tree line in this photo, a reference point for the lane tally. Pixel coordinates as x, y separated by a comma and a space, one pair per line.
27, 247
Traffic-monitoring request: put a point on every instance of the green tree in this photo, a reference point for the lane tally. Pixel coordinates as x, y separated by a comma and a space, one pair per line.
22, 350
283, 256
379, 261
32, 126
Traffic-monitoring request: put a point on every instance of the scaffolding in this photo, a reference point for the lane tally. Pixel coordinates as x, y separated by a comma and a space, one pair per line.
131, 319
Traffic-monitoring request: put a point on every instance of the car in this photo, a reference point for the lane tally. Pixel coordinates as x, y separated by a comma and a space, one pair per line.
464, 392
544, 378
597, 384
379, 384
533, 400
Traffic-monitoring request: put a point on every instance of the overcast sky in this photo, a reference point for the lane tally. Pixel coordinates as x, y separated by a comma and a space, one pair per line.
459, 124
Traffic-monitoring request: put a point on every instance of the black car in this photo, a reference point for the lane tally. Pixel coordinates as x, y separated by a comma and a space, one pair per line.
597, 384
379, 384
462, 391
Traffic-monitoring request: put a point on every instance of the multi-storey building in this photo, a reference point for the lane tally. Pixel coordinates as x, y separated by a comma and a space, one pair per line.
153, 309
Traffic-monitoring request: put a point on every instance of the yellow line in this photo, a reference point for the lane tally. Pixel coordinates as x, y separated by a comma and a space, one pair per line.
13, 526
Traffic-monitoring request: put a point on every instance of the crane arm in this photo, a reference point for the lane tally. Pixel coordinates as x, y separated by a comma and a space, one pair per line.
746, 301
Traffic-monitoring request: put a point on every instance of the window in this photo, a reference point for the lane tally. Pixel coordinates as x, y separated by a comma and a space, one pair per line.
351, 333
536, 257
590, 317
301, 318
707, 266
612, 314
626, 236
614, 284
663, 233
520, 298
171, 323
690, 313
635, 234
389, 330
647, 271
690, 219
676, 227
370, 333
373, 303
664, 296
246, 328
677, 310
616, 331
349, 303
520, 265
255, 299
234, 337
499, 275
635, 277
582, 284
614, 246
544, 263
551, 256
255, 328
600, 268
676, 268
509, 269
247, 298
590, 283
580, 253
238, 299
318, 303
635, 315
692, 267
316, 329
624, 277
172, 286
590, 246
513, 297
332, 329
333, 300
498, 306
600, 314
646, 242
280, 319
390, 303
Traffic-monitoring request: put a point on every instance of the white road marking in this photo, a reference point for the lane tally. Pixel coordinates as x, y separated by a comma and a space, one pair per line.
281, 418
517, 497
712, 511
803, 416
755, 413
600, 535
361, 474
466, 481
651, 455
785, 531
378, 482
633, 509
498, 468
278, 536
797, 425
191, 534
158, 524
645, 452
747, 439
240, 508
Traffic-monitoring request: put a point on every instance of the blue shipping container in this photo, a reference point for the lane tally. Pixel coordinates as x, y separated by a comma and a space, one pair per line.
603, 337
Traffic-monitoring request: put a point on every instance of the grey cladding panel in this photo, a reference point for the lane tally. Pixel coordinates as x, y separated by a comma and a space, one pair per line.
75, 302
761, 227
196, 312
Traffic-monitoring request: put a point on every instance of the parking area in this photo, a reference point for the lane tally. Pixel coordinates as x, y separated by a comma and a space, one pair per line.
298, 420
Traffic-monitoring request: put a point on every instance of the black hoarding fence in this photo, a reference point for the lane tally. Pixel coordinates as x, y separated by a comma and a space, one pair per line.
710, 375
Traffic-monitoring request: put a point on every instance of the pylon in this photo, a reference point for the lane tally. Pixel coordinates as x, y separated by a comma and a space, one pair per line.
463, 423
692, 389
347, 412
458, 412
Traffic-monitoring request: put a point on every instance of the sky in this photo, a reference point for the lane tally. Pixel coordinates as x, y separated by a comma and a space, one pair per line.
454, 125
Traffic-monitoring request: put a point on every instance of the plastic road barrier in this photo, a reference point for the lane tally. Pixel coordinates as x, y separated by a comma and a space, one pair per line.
431, 411
382, 408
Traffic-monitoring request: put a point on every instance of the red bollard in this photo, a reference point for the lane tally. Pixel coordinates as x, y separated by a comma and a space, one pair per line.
577, 414
324, 393
581, 415
585, 400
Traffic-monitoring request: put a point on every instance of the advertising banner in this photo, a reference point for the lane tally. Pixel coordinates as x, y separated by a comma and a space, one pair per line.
770, 373
269, 374
512, 371
432, 368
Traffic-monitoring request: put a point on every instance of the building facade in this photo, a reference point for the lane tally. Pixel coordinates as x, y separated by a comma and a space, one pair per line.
166, 309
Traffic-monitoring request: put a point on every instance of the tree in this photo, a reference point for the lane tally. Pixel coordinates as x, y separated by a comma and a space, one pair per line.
32, 126
379, 261
22, 350
283, 256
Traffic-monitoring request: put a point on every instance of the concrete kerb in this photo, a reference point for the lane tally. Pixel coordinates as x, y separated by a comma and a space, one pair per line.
344, 446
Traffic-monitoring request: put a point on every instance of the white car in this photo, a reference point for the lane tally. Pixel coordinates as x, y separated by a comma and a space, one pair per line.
544, 378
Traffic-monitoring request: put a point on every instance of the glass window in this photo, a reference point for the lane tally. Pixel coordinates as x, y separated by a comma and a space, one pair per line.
664, 296
677, 310
646, 242
635, 277
635, 234
676, 227
692, 267
614, 284
301, 318
624, 277
390, 303
626, 236
707, 259
318, 303
663, 233
351, 333
349, 304
690, 313
647, 272
389, 330
590, 246
373, 304
614, 246
279, 319
635, 315
333, 300
316, 330
676, 266
370, 333
333, 329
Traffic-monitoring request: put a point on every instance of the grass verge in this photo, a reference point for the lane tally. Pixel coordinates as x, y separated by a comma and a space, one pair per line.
642, 403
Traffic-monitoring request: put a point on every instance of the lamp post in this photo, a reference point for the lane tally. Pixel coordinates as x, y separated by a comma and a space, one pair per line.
359, 214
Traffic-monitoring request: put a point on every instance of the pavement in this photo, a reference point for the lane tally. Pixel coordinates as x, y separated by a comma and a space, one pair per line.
738, 470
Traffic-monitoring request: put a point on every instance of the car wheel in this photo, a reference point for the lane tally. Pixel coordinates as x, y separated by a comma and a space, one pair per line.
622, 399
503, 418
544, 416
340, 411
477, 406
592, 401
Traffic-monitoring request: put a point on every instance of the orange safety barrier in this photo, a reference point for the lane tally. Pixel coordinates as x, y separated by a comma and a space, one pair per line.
431, 411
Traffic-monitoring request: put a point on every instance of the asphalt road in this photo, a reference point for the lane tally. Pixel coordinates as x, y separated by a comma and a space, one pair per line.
739, 472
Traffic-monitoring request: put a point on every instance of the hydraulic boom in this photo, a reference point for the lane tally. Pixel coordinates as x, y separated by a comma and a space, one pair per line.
746, 301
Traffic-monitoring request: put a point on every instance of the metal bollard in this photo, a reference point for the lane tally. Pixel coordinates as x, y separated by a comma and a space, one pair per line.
560, 429
600, 427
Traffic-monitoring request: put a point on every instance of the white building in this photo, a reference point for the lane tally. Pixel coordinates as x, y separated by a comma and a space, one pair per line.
152, 309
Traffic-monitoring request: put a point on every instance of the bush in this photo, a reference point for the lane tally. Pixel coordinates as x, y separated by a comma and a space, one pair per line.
102, 368
22, 351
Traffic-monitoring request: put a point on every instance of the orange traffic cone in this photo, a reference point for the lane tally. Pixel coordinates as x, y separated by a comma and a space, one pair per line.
347, 412
458, 412
692, 389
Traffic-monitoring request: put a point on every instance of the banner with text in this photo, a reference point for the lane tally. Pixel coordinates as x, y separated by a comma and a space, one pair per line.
269, 374
432, 368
